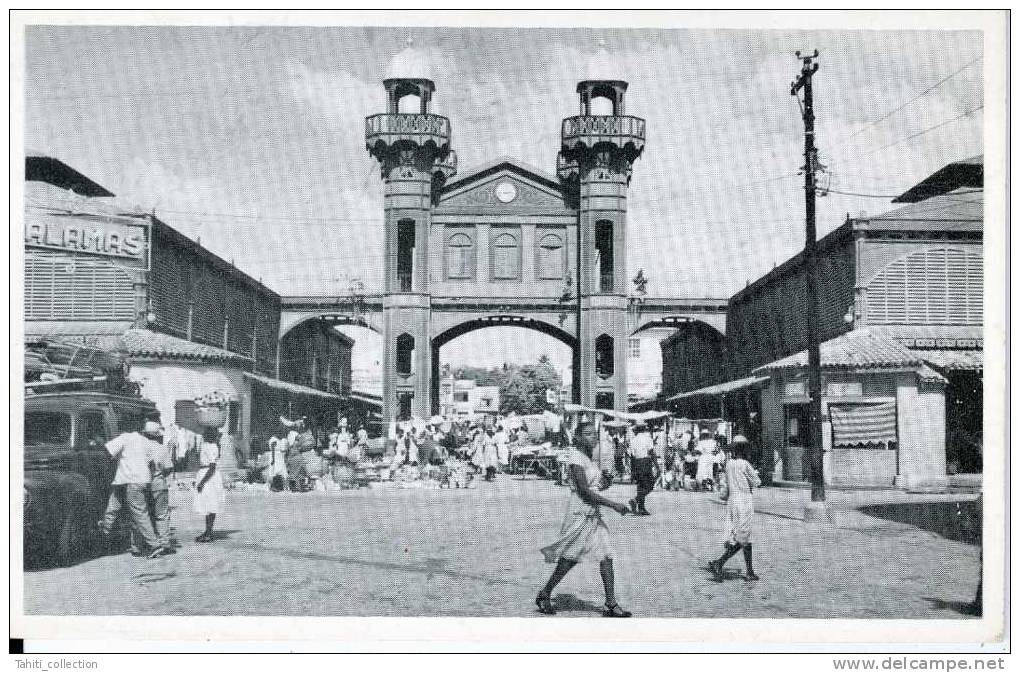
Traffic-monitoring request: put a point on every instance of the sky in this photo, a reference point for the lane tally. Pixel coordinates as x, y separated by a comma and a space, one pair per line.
251, 139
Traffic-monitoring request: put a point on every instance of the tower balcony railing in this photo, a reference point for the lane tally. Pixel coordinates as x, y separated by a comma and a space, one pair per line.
590, 129
418, 128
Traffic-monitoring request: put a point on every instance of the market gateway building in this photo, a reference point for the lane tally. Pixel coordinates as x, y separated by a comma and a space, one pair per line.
188, 321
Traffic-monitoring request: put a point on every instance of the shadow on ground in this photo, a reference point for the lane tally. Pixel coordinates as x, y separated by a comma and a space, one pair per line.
951, 520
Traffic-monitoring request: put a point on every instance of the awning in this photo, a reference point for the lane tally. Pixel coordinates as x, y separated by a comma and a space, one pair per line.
972, 360
571, 408
293, 388
857, 424
721, 388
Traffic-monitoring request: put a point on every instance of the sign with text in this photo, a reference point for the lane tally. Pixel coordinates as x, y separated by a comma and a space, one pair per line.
844, 389
97, 237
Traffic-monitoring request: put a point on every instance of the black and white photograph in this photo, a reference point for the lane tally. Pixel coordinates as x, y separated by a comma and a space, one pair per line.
650, 317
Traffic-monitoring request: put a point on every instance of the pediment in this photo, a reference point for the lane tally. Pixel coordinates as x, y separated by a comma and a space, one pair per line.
503, 186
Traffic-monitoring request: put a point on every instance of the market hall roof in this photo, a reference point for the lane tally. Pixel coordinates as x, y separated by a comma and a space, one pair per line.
42, 168
857, 349
959, 174
959, 210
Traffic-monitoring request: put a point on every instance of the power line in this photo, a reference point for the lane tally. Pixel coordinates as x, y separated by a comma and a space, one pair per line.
930, 128
920, 95
867, 196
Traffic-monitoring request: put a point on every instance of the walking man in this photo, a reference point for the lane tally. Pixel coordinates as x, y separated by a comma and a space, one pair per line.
162, 465
133, 452
642, 467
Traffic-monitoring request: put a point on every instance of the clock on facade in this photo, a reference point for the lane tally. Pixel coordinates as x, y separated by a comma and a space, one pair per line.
506, 192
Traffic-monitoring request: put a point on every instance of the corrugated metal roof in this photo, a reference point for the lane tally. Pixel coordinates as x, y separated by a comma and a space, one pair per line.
289, 387
721, 388
858, 349
959, 210
965, 173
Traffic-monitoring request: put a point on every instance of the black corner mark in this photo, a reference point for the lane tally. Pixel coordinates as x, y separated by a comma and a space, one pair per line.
17, 646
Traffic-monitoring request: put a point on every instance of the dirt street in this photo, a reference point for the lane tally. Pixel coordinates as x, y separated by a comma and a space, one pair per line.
417, 552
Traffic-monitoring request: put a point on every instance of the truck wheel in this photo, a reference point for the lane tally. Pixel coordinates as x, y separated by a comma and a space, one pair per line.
75, 541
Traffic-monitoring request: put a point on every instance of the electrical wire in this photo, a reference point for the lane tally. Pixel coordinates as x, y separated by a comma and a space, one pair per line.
930, 128
920, 95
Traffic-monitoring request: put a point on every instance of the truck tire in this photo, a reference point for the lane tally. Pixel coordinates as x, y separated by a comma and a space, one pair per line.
75, 540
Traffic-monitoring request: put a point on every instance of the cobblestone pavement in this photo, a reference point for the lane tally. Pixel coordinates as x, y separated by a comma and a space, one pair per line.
418, 552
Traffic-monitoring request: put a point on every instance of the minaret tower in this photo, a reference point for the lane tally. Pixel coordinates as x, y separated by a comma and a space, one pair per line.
596, 158
413, 149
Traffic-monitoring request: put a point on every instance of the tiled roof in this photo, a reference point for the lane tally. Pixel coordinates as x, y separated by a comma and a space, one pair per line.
146, 343
953, 359
858, 349
899, 332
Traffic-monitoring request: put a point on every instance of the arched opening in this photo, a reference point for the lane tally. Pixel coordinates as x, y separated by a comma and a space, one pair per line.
604, 362
409, 104
604, 256
366, 358
405, 255
602, 105
502, 364
405, 355
650, 370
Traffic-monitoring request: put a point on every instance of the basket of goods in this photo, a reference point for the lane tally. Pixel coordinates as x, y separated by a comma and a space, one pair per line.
211, 409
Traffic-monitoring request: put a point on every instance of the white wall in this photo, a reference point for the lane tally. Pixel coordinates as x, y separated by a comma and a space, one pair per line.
166, 383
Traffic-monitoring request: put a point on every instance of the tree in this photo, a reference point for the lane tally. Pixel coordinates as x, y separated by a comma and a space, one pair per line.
523, 391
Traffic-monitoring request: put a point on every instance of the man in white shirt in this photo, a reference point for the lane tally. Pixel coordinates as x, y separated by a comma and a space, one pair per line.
133, 452
642, 467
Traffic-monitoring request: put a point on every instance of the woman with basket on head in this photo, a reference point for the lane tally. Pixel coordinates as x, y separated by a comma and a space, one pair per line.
209, 493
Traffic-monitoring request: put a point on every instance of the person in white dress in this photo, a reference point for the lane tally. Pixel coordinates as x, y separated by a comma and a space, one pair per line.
209, 494
741, 480
706, 460
584, 536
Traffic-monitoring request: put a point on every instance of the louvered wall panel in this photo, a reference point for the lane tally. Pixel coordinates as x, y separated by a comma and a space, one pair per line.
61, 287
939, 286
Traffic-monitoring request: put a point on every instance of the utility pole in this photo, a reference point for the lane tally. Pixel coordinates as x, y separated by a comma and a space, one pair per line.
808, 69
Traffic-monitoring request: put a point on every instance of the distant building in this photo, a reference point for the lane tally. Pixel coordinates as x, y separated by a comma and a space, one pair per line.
463, 398
644, 363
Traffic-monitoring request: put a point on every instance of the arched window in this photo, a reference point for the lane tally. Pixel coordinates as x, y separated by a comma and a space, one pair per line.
460, 256
602, 105
939, 286
604, 251
506, 257
604, 364
409, 104
405, 354
550, 257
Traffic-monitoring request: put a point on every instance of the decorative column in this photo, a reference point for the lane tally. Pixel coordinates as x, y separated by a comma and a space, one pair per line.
413, 150
596, 159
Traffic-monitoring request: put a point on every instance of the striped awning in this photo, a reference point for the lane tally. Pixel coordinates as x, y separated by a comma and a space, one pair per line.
857, 424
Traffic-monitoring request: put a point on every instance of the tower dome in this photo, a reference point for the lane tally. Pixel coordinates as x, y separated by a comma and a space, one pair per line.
411, 63
602, 67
